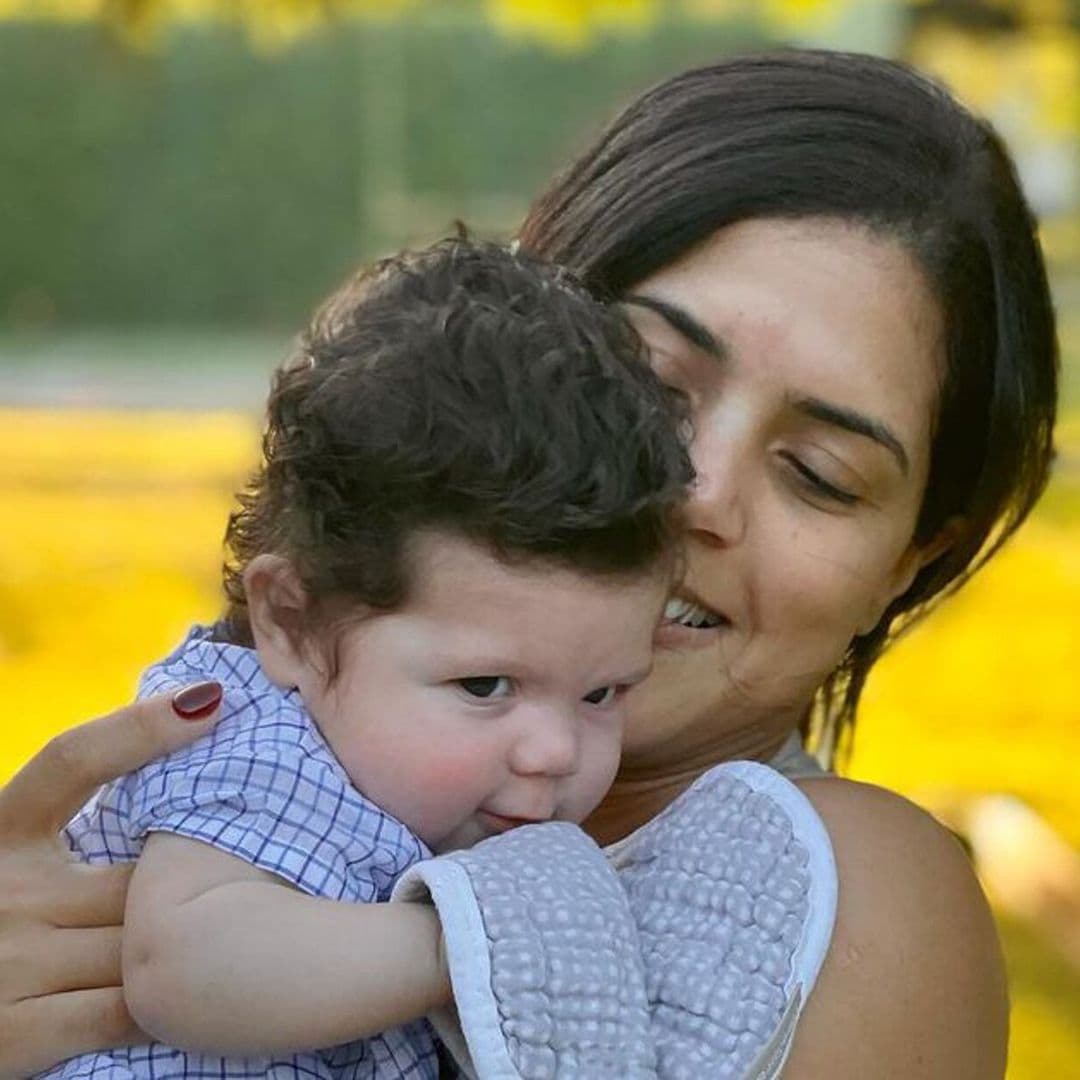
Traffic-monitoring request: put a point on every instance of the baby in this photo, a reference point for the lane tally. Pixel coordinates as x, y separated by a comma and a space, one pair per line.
441, 583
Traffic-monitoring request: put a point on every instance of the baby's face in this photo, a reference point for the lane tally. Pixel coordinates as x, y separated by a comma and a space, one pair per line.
494, 697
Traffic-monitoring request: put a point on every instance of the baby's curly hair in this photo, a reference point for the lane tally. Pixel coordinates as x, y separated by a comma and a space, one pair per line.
467, 389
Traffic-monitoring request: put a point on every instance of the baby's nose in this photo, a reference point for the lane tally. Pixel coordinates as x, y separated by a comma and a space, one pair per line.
547, 744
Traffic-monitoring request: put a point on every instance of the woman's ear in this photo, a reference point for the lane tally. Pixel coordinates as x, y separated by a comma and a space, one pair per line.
907, 569
276, 603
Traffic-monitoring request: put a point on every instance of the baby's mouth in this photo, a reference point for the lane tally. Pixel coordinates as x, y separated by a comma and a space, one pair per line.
505, 822
682, 612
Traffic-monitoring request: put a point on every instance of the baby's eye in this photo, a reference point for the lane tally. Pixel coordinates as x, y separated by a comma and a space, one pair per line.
602, 695
486, 687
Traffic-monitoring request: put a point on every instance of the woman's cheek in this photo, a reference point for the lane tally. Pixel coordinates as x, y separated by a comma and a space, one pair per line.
810, 604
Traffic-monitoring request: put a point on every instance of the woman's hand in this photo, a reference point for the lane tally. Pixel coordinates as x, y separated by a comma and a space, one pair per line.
60, 920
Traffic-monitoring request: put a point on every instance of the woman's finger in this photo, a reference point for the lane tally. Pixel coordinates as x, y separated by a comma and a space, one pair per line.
37, 1032
87, 896
40, 886
64, 960
48, 790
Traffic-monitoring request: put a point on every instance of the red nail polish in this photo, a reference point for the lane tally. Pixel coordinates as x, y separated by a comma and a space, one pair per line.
198, 701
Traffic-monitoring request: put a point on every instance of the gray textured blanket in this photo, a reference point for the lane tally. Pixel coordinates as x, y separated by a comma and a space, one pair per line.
686, 950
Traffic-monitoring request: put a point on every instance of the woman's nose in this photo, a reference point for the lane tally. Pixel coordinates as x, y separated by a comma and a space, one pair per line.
547, 745
715, 510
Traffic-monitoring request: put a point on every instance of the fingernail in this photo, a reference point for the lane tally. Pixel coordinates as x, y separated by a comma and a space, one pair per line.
198, 701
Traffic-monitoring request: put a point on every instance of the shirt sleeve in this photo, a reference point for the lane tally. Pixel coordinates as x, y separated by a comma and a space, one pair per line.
269, 805
261, 794
264, 785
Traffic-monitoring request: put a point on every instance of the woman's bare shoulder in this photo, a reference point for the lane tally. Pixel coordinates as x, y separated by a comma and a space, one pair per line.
913, 985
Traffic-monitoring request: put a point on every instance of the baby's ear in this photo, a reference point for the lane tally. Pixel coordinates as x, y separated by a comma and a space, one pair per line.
277, 603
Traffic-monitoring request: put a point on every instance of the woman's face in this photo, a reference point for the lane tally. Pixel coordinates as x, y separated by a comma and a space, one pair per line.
811, 353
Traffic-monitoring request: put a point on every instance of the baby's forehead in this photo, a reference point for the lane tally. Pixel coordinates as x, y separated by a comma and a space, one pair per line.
445, 567
465, 603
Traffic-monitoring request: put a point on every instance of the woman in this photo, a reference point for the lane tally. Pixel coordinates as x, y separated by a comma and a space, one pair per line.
834, 262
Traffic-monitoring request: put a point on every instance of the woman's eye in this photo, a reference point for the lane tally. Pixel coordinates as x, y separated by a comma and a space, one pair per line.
672, 373
486, 687
818, 484
603, 695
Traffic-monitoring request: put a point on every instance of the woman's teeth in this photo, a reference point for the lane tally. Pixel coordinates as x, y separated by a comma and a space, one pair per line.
687, 614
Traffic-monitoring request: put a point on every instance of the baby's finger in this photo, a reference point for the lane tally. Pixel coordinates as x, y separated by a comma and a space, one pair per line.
48, 790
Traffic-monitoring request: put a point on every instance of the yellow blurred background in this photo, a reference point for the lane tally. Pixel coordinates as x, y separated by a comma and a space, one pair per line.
114, 500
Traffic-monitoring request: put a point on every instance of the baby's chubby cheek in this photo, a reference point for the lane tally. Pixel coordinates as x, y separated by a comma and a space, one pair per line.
444, 783
427, 782
437, 793
446, 773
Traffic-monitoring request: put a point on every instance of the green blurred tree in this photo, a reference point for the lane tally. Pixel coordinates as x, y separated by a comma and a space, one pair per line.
565, 25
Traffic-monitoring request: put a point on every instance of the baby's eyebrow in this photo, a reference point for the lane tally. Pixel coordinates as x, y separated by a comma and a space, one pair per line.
681, 321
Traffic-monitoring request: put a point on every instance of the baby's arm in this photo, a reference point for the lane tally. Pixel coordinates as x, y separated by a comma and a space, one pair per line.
223, 957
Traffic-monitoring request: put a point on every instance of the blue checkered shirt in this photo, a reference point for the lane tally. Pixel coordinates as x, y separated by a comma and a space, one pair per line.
264, 786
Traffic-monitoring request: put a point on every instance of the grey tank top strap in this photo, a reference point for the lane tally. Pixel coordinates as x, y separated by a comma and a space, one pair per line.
793, 761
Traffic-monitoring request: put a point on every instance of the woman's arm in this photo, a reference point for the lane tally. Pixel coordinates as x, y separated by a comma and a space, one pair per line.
913, 987
223, 957
60, 920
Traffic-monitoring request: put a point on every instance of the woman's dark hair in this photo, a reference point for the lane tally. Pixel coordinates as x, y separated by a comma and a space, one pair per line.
466, 389
796, 134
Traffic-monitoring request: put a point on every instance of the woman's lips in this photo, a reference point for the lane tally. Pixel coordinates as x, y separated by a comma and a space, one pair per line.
689, 625
674, 636
687, 612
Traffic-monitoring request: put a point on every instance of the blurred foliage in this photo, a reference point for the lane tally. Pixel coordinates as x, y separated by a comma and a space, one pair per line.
1037, 73
1024, 74
1045, 996
561, 24
205, 183
201, 181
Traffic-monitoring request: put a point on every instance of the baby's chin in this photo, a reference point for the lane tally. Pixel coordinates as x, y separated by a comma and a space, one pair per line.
446, 844
465, 835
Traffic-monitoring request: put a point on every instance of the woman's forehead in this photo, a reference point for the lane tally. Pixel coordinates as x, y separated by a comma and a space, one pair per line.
824, 309
806, 259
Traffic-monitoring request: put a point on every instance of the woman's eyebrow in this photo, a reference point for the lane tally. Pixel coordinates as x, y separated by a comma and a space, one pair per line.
857, 422
680, 320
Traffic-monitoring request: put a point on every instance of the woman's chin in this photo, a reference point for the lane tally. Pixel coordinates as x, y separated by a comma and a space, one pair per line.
687, 688
708, 688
